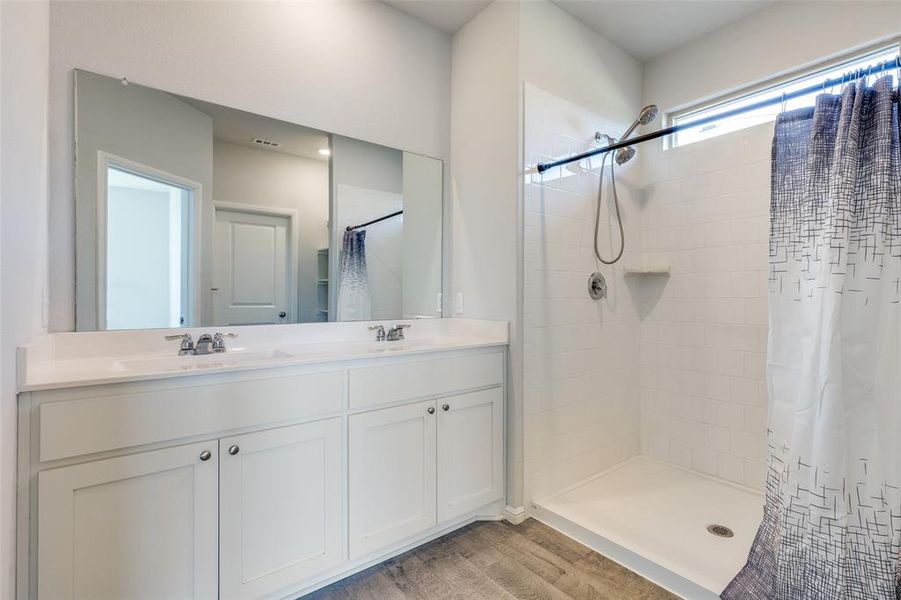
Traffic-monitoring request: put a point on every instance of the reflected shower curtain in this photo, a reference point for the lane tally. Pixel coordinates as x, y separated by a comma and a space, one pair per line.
354, 303
832, 522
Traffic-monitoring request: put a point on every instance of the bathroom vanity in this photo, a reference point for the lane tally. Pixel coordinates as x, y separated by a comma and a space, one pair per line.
300, 455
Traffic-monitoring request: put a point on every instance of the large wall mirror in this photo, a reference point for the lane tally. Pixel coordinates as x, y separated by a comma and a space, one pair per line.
194, 214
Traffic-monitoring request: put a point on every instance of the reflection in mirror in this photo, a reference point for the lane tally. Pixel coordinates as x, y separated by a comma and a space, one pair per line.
149, 243
193, 214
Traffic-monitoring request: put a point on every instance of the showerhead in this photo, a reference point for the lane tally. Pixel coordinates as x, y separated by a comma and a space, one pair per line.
647, 114
624, 155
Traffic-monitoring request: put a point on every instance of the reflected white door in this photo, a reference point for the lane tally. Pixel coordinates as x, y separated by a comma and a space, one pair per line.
252, 266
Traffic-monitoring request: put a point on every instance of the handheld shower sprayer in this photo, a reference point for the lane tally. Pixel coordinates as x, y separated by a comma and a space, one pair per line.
646, 116
622, 156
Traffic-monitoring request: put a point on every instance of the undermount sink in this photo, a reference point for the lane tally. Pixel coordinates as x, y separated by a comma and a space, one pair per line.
193, 361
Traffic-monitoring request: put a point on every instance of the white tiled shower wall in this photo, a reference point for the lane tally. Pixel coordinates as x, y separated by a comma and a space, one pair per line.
669, 366
580, 356
704, 328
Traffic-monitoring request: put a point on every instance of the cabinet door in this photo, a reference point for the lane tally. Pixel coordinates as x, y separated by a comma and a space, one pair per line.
392, 475
138, 526
281, 506
470, 452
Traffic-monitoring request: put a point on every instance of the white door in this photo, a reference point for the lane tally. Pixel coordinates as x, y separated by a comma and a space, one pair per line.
281, 507
470, 452
392, 475
138, 526
252, 266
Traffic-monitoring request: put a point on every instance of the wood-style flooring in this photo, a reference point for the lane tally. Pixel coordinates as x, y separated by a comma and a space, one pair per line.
496, 560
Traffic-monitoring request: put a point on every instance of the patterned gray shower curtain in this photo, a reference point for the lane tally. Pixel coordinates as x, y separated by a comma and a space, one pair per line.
354, 303
832, 521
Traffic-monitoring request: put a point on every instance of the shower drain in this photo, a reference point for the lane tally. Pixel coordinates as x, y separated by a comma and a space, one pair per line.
720, 531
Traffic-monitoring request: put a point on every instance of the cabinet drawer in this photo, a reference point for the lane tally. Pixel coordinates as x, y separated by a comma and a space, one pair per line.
381, 384
147, 417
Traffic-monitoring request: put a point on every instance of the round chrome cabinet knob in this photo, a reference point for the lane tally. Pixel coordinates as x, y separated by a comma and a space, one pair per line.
445, 407
431, 410
233, 450
205, 455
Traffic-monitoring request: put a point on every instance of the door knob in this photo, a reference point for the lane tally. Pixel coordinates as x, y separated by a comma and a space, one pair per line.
282, 315
205, 455
431, 410
233, 449
445, 407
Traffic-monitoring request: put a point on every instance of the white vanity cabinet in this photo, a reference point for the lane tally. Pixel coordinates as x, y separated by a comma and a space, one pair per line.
280, 502
266, 483
470, 451
393, 460
136, 526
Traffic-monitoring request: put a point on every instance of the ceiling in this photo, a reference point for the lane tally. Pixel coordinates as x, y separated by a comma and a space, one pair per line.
643, 28
447, 15
648, 28
240, 127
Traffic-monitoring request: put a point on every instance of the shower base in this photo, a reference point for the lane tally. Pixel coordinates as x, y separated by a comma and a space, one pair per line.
652, 518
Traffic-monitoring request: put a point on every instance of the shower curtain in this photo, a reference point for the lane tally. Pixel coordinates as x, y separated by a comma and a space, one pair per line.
832, 521
353, 288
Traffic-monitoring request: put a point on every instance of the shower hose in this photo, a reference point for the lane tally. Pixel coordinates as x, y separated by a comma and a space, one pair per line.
597, 214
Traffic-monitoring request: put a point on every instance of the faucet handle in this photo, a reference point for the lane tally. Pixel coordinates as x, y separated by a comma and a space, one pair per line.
219, 340
379, 332
187, 342
397, 331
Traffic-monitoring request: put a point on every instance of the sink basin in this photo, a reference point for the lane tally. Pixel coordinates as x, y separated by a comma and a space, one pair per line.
192, 362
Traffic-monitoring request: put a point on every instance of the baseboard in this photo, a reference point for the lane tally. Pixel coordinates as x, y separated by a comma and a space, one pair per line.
515, 514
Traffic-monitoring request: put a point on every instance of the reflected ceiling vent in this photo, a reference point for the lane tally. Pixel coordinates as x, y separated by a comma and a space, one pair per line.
265, 143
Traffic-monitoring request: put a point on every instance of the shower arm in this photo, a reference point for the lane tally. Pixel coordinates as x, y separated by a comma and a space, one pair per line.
853, 76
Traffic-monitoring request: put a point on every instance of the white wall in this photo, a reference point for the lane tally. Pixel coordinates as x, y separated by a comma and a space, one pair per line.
704, 327
254, 176
24, 50
778, 39
487, 225
357, 68
564, 56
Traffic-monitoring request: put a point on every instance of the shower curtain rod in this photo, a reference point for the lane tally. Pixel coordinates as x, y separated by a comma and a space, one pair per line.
394, 214
847, 78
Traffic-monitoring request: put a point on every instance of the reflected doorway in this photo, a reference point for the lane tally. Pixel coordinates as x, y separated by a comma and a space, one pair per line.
147, 248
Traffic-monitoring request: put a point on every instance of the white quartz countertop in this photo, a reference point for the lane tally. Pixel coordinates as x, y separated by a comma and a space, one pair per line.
66, 360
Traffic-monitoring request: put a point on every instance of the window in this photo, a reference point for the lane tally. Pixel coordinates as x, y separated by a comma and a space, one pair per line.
763, 115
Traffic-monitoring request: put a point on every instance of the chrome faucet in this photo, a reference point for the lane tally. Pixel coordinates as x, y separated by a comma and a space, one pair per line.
206, 343
187, 343
396, 333
379, 332
210, 344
